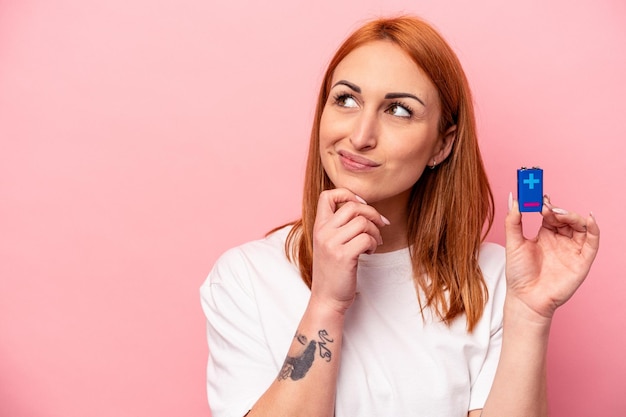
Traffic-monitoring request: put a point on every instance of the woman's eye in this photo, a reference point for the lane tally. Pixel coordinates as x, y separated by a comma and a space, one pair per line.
346, 101
400, 111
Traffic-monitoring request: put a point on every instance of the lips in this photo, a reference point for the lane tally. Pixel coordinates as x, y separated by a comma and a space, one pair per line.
354, 162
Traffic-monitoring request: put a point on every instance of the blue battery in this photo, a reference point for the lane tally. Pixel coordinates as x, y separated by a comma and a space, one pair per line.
530, 189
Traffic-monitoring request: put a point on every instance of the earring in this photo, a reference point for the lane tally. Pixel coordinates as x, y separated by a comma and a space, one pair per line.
434, 164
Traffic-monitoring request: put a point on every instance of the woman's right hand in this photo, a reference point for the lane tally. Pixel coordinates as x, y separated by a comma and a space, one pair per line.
345, 227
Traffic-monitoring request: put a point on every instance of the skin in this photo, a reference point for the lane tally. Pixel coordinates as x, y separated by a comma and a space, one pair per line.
387, 111
542, 273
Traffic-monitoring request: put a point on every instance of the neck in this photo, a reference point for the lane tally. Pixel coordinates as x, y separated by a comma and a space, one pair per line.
395, 235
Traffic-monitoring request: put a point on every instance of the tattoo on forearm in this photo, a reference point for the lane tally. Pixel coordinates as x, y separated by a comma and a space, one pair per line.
325, 352
301, 338
296, 367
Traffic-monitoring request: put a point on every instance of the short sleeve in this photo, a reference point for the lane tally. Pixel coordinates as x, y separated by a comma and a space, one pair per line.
493, 264
240, 367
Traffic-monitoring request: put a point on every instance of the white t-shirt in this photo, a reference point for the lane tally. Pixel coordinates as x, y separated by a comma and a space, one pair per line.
393, 363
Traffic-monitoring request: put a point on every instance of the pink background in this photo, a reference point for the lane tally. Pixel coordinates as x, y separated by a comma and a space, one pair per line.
140, 139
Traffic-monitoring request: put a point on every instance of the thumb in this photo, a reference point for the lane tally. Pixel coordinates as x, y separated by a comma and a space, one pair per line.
513, 224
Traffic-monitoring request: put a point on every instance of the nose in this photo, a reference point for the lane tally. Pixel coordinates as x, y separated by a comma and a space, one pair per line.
365, 131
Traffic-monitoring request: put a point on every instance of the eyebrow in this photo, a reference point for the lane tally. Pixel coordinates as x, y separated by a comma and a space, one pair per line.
403, 95
388, 96
348, 84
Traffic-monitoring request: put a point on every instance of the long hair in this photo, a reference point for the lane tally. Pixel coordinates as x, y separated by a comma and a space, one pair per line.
449, 208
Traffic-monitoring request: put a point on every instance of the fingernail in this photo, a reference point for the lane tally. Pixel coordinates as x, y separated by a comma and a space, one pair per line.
510, 201
592, 215
360, 199
546, 201
558, 210
385, 220
380, 242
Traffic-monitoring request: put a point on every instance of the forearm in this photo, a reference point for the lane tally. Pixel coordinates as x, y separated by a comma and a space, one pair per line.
519, 387
306, 384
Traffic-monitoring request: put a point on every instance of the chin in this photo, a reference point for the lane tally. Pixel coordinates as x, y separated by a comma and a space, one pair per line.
360, 190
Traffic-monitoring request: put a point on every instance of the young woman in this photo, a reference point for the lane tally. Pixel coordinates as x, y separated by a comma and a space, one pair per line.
382, 299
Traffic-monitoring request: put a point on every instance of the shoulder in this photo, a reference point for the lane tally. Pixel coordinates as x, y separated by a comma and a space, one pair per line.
254, 261
255, 285
261, 251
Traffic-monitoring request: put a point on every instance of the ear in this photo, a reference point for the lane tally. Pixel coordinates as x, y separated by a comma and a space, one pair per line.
444, 145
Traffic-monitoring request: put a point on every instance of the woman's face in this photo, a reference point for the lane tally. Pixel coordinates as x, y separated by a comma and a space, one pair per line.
379, 127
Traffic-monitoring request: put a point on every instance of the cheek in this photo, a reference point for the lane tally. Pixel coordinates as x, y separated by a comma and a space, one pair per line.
334, 127
325, 130
413, 150
324, 142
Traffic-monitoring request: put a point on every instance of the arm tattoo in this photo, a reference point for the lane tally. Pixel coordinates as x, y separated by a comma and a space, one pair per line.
325, 353
301, 338
296, 367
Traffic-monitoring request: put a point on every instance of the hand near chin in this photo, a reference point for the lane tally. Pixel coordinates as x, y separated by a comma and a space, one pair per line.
345, 227
544, 272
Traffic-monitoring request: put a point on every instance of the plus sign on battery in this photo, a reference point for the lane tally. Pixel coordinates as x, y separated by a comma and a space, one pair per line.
531, 181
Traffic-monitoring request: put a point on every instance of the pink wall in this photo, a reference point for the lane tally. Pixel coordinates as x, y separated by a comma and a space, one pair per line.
140, 139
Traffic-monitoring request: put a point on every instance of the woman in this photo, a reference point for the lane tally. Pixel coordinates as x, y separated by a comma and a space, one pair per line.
382, 298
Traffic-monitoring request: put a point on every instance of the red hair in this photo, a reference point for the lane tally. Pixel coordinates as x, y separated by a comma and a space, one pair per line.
450, 207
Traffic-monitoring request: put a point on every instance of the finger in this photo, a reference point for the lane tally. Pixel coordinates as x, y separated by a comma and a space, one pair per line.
362, 243
350, 210
592, 241
360, 225
549, 220
565, 223
513, 224
330, 200
335, 236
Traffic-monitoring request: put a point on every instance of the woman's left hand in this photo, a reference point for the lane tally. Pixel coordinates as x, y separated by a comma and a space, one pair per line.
544, 272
